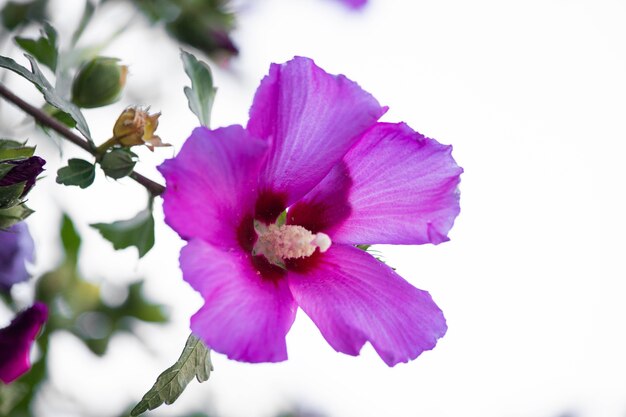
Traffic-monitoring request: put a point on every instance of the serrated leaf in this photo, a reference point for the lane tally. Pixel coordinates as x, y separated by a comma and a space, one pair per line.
138, 232
84, 21
10, 194
49, 93
118, 163
195, 362
77, 172
15, 214
44, 49
202, 92
10, 149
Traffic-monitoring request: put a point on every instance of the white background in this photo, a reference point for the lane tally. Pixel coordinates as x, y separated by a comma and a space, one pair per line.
532, 97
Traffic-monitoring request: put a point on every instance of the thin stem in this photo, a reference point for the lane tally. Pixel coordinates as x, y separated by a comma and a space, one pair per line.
44, 119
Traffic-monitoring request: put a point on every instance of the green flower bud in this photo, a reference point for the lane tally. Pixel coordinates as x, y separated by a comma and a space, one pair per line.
99, 82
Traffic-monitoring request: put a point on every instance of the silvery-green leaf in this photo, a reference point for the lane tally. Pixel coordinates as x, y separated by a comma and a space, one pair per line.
195, 362
44, 49
49, 93
201, 94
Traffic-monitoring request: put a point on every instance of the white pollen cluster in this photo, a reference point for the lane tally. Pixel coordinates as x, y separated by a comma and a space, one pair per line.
278, 243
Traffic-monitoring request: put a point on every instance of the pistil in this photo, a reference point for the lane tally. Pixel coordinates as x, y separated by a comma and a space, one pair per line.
278, 243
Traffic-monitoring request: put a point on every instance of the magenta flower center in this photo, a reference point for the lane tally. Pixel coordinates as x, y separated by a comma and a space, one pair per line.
278, 243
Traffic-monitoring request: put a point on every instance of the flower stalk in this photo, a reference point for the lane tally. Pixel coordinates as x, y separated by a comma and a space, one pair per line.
154, 188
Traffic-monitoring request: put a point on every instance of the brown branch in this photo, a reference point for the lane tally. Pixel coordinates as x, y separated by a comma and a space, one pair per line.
44, 119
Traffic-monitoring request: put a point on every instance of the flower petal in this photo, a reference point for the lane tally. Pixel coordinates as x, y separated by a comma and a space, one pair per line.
17, 339
211, 185
395, 186
311, 119
354, 298
16, 248
246, 316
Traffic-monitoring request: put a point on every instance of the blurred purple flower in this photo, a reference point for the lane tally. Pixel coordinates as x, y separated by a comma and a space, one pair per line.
312, 145
354, 4
16, 248
17, 339
23, 170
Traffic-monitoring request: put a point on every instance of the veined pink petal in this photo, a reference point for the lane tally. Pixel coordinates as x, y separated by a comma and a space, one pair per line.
212, 184
394, 186
311, 119
354, 298
246, 316
17, 339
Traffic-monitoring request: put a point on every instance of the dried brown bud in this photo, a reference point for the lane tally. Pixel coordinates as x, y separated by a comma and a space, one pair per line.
136, 127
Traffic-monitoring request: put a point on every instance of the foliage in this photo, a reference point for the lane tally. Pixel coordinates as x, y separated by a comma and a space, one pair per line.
44, 49
50, 94
194, 361
12, 202
138, 232
201, 94
82, 80
75, 306
204, 25
77, 172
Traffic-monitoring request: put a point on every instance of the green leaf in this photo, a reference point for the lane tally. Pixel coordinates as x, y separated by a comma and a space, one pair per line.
15, 214
136, 306
49, 93
44, 49
77, 172
70, 238
4, 169
138, 232
10, 395
64, 118
10, 149
10, 194
202, 93
16, 14
84, 21
195, 362
118, 163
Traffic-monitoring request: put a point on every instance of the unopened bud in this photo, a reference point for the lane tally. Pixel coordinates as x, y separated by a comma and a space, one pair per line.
136, 127
99, 82
21, 170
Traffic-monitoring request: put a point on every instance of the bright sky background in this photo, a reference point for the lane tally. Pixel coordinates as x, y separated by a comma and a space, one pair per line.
532, 97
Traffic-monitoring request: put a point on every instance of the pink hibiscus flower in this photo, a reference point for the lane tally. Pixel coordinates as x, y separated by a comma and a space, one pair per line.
312, 146
17, 339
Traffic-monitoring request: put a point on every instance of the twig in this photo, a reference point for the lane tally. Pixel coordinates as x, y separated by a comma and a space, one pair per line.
42, 118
